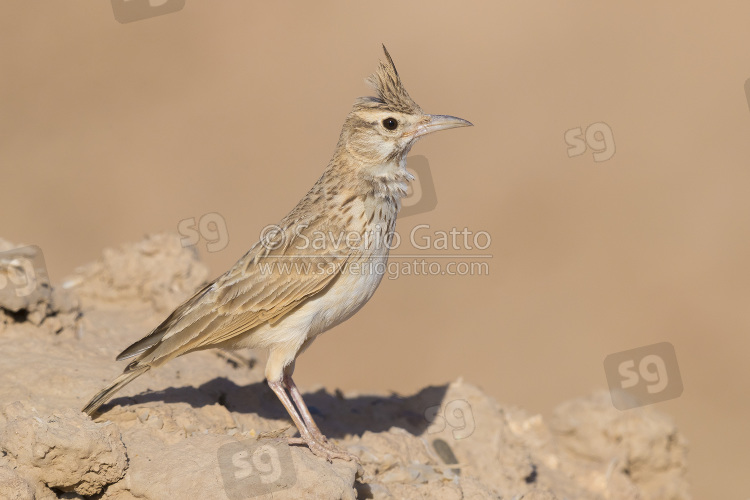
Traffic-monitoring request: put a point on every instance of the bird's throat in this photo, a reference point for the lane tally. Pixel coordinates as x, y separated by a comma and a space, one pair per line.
390, 180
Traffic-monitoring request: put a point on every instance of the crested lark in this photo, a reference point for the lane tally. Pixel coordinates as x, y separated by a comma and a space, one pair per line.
282, 294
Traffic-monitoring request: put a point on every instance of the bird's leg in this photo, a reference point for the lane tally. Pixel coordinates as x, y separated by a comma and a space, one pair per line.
277, 387
318, 448
301, 406
305, 414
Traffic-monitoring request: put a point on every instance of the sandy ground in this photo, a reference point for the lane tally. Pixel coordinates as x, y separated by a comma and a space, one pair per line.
207, 426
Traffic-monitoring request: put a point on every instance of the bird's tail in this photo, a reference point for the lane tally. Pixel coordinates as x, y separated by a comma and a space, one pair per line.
103, 396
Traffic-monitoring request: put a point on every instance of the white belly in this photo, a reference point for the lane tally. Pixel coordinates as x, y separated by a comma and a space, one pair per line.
351, 290
348, 294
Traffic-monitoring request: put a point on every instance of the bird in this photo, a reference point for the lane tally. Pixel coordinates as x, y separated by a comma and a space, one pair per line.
285, 291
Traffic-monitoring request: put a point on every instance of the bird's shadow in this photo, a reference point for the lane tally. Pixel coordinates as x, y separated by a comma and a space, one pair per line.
335, 414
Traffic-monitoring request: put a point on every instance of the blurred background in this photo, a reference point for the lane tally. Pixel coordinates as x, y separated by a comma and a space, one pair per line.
608, 165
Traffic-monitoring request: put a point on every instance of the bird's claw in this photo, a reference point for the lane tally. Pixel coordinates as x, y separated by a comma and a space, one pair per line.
325, 449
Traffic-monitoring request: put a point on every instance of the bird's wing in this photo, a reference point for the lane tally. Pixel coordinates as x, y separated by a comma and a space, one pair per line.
268, 282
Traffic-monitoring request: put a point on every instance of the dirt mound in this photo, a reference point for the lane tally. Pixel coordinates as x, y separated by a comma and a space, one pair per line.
207, 426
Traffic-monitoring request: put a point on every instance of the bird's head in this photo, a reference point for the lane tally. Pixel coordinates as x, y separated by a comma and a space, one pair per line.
380, 130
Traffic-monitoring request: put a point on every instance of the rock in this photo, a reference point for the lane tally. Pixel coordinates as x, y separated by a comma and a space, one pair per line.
190, 429
641, 443
13, 486
65, 450
24, 284
64, 301
158, 270
26, 294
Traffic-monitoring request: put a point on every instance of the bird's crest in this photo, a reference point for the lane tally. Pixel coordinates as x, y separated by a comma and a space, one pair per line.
391, 92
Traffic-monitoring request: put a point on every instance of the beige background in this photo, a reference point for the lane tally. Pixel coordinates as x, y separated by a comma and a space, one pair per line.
110, 131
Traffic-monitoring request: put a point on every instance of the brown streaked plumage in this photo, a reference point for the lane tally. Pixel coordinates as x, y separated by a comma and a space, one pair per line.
285, 291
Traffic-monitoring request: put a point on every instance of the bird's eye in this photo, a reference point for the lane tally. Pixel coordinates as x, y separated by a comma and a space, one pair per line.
390, 123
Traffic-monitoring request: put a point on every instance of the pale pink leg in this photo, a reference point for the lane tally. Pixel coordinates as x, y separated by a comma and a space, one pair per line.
318, 448
302, 407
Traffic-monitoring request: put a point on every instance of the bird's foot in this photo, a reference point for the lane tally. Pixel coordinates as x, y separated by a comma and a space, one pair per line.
319, 437
325, 449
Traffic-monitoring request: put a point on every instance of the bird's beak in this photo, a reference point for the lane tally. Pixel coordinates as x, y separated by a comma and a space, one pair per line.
441, 122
